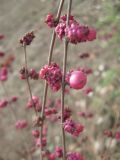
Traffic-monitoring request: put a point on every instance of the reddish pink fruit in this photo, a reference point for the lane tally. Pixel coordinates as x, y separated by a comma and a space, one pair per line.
117, 135
27, 39
21, 124
36, 133
78, 80
50, 20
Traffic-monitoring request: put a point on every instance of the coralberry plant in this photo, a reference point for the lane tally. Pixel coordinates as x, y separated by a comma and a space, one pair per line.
70, 32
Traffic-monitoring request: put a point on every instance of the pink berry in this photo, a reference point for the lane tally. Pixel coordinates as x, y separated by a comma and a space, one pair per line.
36, 133
78, 80
117, 135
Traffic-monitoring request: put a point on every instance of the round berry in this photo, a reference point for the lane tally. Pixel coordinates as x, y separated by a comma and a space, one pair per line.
78, 80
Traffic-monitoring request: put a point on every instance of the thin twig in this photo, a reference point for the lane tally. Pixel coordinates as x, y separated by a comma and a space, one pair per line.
46, 85
63, 82
27, 78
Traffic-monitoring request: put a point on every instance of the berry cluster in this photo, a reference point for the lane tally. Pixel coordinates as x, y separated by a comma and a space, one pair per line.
36, 135
110, 134
74, 32
50, 20
58, 153
25, 73
27, 39
3, 74
67, 113
21, 124
34, 102
50, 111
65, 27
73, 128
38, 142
75, 156
5, 102
53, 75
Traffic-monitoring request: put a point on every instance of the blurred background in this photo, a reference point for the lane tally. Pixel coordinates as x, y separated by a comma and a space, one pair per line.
18, 17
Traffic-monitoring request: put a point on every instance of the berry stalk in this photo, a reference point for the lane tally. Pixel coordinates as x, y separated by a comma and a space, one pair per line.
63, 82
46, 84
27, 78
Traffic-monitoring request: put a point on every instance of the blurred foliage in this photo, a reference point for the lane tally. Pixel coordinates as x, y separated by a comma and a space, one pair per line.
110, 13
109, 77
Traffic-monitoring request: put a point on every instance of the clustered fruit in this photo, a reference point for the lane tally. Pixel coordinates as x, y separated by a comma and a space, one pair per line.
74, 32
111, 134
27, 39
25, 73
53, 75
35, 102
3, 74
73, 128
